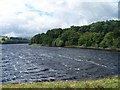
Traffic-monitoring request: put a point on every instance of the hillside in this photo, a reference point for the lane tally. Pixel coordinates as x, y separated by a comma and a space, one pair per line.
12, 40
104, 34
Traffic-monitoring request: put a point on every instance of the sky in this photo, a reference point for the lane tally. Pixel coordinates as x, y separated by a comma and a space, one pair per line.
25, 18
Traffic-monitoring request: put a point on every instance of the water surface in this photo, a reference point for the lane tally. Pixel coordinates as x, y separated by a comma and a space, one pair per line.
22, 63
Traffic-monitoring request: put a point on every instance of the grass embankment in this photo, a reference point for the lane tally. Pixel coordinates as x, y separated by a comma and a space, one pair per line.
5, 39
36, 45
101, 83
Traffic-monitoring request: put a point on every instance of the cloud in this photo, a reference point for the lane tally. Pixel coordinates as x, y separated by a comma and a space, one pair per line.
29, 17
32, 9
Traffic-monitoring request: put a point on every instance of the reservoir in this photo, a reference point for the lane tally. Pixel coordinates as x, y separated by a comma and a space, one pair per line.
22, 63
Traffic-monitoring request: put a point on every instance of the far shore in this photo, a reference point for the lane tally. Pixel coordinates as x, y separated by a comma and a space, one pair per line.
12, 43
81, 47
95, 48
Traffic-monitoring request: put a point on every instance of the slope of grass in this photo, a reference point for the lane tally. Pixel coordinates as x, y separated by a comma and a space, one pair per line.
101, 83
1, 37
13, 40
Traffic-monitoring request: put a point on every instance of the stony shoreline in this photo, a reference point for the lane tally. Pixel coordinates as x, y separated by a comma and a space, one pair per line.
81, 47
94, 48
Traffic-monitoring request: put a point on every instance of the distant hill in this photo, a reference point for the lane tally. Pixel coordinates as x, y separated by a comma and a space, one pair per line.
104, 34
12, 40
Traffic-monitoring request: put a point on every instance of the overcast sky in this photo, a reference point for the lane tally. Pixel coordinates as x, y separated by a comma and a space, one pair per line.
28, 17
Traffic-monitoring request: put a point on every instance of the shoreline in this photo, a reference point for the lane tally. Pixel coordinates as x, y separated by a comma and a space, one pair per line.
94, 48
108, 82
81, 47
12, 43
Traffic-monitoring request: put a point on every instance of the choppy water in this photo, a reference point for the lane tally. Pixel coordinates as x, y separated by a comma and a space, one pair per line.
24, 63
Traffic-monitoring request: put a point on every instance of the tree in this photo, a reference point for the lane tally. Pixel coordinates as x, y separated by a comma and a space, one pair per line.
108, 40
117, 42
96, 39
70, 36
85, 39
59, 42
54, 33
100, 34
96, 27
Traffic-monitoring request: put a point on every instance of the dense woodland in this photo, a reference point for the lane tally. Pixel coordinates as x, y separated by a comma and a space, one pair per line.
104, 34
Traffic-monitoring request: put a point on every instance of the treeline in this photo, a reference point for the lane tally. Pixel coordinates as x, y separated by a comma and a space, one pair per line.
13, 40
105, 34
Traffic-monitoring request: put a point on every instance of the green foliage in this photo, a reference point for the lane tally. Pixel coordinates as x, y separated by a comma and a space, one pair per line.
58, 42
70, 37
108, 40
54, 33
85, 39
104, 34
117, 42
96, 39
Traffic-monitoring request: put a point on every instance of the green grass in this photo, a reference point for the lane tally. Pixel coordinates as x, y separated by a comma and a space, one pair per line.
101, 83
1, 38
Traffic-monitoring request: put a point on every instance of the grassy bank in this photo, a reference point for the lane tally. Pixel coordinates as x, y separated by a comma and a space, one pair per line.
101, 83
35, 45
13, 40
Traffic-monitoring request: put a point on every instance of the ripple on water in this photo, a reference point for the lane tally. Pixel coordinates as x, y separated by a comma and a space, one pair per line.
46, 55
12, 53
36, 71
21, 57
32, 68
6, 61
22, 64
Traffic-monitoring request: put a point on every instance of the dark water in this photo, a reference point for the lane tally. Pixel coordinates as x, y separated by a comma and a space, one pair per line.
24, 63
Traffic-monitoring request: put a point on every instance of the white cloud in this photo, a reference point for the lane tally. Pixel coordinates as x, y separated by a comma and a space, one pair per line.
28, 17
